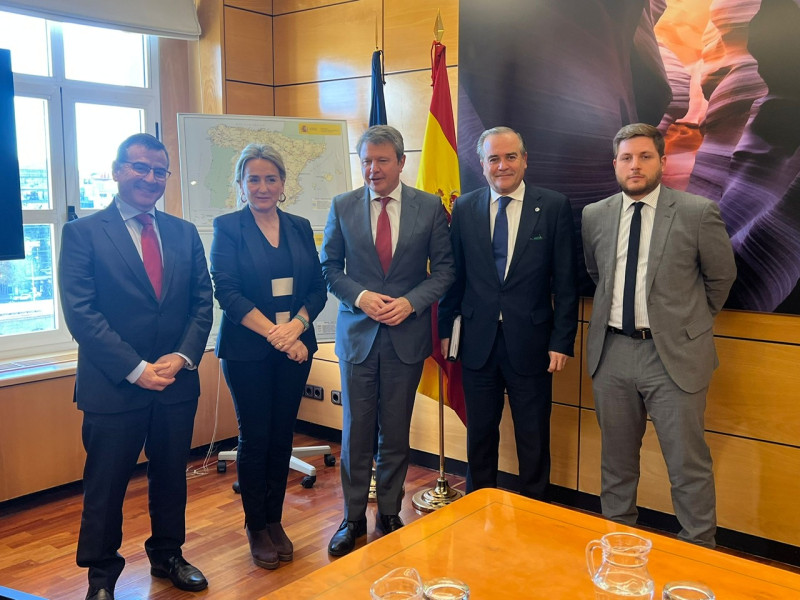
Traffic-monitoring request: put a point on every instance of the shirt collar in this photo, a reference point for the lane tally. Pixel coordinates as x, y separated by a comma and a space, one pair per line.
650, 200
395, 195
517, 194
128, 212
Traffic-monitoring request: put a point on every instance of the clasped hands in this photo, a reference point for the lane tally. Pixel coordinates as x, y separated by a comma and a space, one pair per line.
284, 337
161, 373
385, 309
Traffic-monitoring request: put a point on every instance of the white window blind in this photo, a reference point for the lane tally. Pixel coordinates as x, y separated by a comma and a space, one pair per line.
165, 18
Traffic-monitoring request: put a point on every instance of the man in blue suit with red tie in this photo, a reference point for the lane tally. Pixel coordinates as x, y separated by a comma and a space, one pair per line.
516, 292
136, 296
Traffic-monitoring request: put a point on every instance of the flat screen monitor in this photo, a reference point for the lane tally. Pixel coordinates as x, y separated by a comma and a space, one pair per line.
12, 244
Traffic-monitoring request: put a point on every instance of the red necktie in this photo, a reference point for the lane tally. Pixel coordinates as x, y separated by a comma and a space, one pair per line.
151, 252
383, 237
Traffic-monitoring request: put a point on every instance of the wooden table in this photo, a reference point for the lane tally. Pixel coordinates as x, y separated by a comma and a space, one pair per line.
509, 547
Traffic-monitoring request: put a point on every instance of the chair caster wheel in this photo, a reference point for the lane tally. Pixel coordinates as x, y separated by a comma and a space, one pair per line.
222, 466
330, 460
236, 488
308, 481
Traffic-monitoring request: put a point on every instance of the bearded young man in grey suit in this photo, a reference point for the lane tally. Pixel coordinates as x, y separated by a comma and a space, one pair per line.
650, 347
377, 245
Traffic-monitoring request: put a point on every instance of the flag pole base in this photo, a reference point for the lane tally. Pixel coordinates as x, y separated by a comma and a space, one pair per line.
437, 497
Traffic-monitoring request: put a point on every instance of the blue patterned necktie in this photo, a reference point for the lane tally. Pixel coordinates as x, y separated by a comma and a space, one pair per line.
500, 237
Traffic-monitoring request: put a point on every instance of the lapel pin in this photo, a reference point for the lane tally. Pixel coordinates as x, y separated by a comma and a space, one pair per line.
537, 209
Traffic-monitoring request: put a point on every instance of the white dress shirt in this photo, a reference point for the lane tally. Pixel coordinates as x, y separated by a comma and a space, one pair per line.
640, 302
393, 210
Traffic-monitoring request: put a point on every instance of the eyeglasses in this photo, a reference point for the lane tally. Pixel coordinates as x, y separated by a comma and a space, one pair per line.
143, 170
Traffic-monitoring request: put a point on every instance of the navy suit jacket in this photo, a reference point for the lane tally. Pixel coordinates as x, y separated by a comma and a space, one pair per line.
243, 280
112, 311
539, 297
350, 264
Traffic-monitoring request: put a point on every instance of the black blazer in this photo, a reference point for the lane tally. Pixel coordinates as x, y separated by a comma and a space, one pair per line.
243, 280
539, 297
113, 313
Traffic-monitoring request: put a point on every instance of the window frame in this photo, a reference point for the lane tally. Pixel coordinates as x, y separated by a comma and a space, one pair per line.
62, 95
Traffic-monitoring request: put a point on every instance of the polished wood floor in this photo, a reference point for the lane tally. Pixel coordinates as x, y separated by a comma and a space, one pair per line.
38, 536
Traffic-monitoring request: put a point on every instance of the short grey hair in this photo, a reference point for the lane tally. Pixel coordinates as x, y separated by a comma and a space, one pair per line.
497, 131
264, 151
382, 134
639, 130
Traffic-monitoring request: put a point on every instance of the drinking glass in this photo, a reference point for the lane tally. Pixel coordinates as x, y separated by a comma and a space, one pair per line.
398, 584
446, 588
687, 590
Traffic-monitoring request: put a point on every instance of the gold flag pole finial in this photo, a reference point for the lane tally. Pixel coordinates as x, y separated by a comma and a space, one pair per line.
438, 28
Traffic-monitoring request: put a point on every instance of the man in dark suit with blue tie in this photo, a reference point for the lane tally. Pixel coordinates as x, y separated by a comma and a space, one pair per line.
380, 241
516, 292
136, 296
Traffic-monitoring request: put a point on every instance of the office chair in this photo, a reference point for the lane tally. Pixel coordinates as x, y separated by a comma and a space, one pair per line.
295, 463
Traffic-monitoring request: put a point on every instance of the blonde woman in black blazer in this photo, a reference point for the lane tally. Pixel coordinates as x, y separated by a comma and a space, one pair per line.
268, 281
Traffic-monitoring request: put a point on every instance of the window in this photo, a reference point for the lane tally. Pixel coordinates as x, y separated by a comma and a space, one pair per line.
79, 91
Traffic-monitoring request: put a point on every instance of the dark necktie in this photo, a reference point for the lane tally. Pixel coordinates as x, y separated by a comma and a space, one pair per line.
629, 293
383, 237
500, 237
151, 252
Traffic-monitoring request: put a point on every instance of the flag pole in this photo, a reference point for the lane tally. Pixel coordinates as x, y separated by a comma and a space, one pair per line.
441, 494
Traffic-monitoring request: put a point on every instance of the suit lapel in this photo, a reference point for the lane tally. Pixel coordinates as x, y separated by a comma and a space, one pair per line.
292, 237
409, 213
662, 222
610, 231
169, 236
482, 233
120, 238
254, 241
529, 217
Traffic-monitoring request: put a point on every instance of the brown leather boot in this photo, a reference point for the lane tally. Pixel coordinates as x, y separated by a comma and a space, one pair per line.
282, 542
263, 550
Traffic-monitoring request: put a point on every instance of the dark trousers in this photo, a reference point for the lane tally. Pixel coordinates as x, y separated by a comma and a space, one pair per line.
113, 443
266, 394
381, 388
529, 398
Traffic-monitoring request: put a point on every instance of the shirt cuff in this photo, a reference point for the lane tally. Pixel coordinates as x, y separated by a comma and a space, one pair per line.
189, 366
358, 299
134, 375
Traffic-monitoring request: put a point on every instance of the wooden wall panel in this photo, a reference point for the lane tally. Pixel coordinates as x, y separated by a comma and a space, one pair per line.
249, 99
567, 383
286, 6
208, 68
408, 33
327, 43
755, 391
564, 446
248, 47
325, 374
758, 326
261, 6
347, 99
216, 417
40, 431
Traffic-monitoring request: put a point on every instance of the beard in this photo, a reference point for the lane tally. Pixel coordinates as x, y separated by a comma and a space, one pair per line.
641, 187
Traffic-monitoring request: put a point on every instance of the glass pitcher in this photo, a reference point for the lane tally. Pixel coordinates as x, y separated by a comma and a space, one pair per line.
623, 573
403, 583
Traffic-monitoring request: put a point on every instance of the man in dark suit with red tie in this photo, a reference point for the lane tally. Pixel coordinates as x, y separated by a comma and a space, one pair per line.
136, 296
517, 294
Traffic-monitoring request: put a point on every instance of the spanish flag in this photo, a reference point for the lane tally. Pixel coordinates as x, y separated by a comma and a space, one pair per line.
439, 174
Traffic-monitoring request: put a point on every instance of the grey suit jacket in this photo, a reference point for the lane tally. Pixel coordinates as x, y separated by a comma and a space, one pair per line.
690, 270
350, 265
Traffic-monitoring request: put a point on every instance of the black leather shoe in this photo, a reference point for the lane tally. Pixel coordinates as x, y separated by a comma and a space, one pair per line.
182, 575
101, 594
344, 540
388, 523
